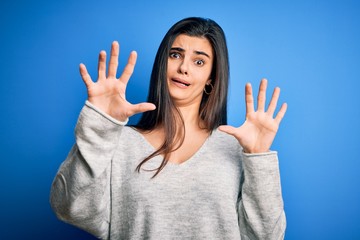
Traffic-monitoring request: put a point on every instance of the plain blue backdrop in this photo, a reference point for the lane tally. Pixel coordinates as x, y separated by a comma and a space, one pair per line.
309, 48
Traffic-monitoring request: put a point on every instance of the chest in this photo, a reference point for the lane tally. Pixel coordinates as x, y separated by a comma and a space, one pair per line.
198, 194
209, 179
184, 149
213, 173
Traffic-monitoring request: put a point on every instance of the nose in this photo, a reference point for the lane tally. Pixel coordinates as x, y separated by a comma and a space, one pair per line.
183, 68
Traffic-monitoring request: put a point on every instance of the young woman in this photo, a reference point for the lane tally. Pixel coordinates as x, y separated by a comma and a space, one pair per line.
181, 172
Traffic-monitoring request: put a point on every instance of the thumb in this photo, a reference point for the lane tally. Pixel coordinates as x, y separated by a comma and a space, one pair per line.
228, 129
142, 107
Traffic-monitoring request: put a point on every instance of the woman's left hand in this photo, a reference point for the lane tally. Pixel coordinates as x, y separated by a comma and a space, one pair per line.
260, 127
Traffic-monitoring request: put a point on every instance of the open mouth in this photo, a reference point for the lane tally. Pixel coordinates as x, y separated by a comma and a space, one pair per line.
180, 82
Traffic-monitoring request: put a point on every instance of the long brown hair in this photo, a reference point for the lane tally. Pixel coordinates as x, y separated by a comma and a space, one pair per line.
213, 107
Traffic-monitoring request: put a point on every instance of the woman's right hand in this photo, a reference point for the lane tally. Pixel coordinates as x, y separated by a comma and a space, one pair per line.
108, 92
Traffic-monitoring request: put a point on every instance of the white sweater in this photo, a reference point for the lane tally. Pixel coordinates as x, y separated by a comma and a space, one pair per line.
219, 193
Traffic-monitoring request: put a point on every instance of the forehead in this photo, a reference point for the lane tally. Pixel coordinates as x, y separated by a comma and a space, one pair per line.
193, 44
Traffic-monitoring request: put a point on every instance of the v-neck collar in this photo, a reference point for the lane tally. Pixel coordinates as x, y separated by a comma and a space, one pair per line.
188, 161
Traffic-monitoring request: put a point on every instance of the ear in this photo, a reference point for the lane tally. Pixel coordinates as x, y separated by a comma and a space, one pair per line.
208, 82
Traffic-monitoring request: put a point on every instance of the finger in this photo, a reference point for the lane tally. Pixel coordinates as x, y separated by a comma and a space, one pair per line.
249, 99
262, 95
114, 59
281, 113
85, 75
142, 107
129, 68
102, 65
227, 129
273, 101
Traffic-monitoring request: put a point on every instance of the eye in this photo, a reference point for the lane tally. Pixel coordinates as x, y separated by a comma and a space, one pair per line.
199, 62
174, 55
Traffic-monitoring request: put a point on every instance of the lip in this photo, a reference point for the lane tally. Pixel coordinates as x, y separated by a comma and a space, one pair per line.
180, 82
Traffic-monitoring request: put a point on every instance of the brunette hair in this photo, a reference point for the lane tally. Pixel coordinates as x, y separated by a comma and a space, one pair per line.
213, 107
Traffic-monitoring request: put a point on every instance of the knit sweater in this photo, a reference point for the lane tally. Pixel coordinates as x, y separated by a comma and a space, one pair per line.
219, 193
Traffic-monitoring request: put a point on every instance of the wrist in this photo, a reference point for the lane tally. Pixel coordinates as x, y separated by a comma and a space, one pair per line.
255, 150
108, 116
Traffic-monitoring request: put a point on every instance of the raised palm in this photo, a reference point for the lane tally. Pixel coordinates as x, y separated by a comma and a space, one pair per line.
258, 131
108, 92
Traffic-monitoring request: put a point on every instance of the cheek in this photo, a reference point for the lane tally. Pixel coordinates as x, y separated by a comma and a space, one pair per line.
172, 64
204, 75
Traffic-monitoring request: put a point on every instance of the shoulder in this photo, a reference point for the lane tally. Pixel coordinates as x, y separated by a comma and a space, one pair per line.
223, 137
224, 151
132, 144
131, 134
132, 138
221, 140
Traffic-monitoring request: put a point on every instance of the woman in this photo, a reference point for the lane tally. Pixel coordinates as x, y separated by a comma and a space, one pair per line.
180, 173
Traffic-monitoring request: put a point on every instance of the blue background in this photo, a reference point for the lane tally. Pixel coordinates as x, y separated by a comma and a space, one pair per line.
309, 48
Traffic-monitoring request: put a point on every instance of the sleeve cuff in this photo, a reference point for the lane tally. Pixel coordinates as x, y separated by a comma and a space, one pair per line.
264, 162
90, 105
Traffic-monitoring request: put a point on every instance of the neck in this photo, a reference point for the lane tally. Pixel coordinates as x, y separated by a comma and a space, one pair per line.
190, 114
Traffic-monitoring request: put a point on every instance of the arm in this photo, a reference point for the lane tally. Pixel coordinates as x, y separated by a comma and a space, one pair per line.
261, 212
261, 208
80, 194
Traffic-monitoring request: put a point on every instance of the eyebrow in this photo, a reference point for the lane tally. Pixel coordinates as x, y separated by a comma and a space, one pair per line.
196, 52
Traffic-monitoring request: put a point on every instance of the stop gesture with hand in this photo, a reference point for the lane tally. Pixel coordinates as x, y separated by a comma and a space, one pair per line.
108, 92
258, 131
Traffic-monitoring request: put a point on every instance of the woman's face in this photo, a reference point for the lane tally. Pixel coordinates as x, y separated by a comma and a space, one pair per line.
189, 67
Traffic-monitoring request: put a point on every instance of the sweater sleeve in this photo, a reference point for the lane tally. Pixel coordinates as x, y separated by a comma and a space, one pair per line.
261, 208
80, 193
